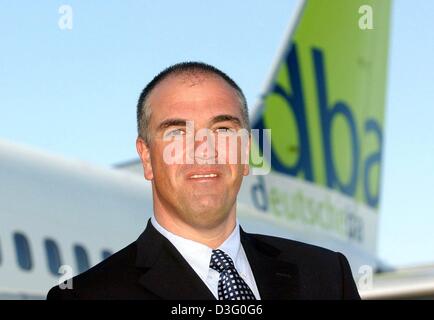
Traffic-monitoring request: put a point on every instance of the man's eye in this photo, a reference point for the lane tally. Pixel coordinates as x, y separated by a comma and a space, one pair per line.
225, 130
176, 132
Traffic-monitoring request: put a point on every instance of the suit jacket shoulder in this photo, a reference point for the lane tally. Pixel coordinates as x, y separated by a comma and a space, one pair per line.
321, 273
101, 280
149, 268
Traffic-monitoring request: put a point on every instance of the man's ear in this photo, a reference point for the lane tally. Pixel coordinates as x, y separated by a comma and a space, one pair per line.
145, 156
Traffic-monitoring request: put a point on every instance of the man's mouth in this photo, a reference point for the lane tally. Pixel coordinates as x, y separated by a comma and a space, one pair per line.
200, 176
204, 175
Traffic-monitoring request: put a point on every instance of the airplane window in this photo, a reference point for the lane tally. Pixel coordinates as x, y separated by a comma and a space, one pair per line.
24, 257
105, 254
53, 256
82, 258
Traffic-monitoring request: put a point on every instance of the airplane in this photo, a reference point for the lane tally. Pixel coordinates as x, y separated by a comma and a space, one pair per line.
324, 103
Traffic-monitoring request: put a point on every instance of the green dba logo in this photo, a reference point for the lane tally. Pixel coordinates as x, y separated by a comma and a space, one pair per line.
285, 113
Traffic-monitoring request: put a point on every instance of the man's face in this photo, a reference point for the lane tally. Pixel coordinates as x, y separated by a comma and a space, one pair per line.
201, 195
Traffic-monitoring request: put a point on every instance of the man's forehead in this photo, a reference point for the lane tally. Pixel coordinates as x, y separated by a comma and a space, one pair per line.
199, 114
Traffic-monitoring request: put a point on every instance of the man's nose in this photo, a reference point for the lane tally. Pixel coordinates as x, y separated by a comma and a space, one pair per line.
205, 151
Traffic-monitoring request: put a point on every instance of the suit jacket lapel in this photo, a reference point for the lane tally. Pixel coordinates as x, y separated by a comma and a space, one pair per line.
276, 279
165, 272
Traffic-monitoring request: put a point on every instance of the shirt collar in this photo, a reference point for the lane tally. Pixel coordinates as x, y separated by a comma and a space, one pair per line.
197, 254
231, 245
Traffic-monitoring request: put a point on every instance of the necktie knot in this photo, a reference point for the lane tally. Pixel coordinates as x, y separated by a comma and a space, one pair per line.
220, 261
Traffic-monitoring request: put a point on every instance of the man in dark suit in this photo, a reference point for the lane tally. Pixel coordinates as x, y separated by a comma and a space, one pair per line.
193, 246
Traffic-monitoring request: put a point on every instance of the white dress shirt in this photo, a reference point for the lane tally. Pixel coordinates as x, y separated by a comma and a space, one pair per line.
198, 257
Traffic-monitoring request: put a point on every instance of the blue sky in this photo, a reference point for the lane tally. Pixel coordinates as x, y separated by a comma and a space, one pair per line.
74, 92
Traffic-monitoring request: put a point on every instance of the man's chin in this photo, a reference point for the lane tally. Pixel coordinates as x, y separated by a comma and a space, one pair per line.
209, 217
213, 201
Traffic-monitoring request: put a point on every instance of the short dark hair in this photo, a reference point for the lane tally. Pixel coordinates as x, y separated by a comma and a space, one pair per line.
144, 110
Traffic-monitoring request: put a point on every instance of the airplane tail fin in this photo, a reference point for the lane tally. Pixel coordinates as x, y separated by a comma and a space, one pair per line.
324, 104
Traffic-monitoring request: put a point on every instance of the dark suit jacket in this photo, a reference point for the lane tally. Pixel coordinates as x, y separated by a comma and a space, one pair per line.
152, 268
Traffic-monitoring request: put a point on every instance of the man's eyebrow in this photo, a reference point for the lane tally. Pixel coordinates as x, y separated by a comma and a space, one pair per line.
226, 117
171, 123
